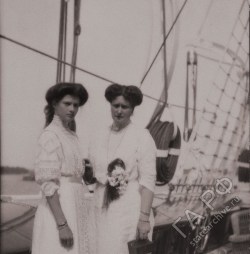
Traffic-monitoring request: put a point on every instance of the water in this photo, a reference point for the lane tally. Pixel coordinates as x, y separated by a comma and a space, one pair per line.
16, 234
13, 184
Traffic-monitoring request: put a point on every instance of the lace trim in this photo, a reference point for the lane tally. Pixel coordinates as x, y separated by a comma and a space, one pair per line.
47, 174
70, 148
57, 121
48, 164
86, 223
49, 144
49, 188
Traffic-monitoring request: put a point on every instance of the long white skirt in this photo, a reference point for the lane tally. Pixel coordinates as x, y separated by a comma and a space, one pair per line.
117, 225
79, 212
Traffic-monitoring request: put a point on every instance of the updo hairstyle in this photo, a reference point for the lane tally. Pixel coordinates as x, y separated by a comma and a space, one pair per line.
131, 93
55, 93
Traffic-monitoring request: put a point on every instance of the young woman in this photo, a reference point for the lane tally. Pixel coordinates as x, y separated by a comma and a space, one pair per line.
64, 221
124, 161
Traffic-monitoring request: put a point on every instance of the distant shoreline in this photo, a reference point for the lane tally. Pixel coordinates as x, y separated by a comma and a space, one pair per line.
14, 170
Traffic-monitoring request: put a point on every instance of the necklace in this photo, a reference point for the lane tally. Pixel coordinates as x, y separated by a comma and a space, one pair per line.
123, 131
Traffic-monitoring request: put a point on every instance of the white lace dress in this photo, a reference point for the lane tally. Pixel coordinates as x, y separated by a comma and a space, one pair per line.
117, 225
59, 168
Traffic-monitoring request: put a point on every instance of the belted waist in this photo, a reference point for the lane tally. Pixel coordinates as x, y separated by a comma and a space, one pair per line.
70, 179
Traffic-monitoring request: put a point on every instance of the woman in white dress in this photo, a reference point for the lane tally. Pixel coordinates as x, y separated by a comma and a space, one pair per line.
64, 220
125, 147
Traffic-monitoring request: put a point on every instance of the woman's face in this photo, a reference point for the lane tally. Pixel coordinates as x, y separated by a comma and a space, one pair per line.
121, 111
67, 108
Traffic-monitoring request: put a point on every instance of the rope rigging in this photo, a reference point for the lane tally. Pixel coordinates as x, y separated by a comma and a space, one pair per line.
61, 60
165, 134
165, 78
164, 41
219, 137
236, 59
80, 69
216, 151
77, 32
62, 44
191, 66
56, 59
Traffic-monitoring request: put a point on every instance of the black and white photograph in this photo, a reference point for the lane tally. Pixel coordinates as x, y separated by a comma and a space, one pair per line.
124, 127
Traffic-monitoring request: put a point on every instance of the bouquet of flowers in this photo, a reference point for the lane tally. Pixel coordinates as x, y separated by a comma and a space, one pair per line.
117, 181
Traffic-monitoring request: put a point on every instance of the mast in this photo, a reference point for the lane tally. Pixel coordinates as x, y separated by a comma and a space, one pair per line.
77, 31
62, 43
61, 67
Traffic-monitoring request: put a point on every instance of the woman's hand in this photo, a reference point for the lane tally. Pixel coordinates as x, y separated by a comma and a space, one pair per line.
65, 233
143, 229
66, 237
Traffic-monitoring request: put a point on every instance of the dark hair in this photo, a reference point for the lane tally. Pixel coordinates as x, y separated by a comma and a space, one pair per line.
111, 193
131, 93
114, 163
55, 93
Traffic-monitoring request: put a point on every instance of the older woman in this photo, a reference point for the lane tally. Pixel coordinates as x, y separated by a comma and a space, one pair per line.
123, 158
62, 222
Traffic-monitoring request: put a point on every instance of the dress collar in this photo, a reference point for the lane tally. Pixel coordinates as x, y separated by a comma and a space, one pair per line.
58, 122
121, 130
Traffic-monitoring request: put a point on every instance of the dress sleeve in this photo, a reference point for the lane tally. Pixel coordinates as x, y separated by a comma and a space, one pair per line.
147, 161
48, 163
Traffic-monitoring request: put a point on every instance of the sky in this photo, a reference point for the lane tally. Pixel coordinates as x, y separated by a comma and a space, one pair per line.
118, 41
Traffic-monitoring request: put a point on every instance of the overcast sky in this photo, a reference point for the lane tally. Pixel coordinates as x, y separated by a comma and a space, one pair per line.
118, 41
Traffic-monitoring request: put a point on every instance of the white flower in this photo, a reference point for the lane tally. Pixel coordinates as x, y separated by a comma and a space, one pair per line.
112, 181
119, 179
